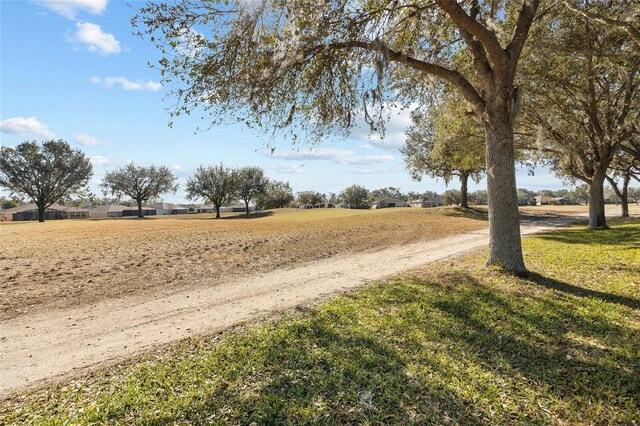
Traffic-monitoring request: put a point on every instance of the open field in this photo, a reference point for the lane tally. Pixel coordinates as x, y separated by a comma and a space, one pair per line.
68, 263
451, 343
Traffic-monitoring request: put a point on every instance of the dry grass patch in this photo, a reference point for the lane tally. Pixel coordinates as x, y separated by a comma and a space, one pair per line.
59, 264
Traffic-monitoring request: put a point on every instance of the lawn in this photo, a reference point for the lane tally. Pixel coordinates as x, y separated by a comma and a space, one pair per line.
66, 263
452, 343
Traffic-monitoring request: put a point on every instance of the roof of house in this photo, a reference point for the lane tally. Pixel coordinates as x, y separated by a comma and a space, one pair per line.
389, 200
166, 206
110, 208
32, 206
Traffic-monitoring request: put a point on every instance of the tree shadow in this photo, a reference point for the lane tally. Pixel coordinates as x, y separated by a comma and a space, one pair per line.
468, 212
611, 236
254, 215
547, 282
536, 341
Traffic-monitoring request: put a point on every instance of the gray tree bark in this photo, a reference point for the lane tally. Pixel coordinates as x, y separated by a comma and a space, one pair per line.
464, 180
597, 219
139, 208
505, 248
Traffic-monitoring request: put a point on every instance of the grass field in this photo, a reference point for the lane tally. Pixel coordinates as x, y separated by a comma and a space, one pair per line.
453, 343
69, 263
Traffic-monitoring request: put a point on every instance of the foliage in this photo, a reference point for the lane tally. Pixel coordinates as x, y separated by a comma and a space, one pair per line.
479, 197
45, 173
8, 203
584, 102
453, 343
251, 182
276, 195
389, 192
308, 68
451, 197
445, 143
355, 196
310, 198
215, 184
139, 182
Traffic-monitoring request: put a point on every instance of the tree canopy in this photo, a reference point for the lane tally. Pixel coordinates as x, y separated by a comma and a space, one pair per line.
215, 184
251, 182
446, 142
139, 182
44, 172
317, 67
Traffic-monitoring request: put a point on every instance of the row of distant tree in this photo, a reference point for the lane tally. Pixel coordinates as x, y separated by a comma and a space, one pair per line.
54, 172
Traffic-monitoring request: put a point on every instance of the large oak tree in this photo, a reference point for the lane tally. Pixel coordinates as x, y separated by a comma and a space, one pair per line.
139, 182
318, 65
445, 143
45, 173
584, 100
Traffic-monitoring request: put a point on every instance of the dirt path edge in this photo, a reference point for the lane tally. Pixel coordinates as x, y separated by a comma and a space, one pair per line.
56, 345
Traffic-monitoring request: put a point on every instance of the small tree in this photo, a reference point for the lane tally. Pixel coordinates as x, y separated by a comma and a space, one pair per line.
310, 198
445, 144
451, 197
139, 182
356, 196
390, 192
276, 196
215, 184
251, 182
45, 173
625, 167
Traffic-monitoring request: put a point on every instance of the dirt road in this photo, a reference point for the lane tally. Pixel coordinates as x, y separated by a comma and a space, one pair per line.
67, 342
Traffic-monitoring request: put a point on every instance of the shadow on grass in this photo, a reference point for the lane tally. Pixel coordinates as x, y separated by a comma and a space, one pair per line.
469, 213
616, 235
254, 215
547, 282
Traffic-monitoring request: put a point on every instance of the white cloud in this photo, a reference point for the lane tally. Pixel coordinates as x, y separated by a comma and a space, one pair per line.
289, 168
86, 140
99, 160
70, 8
127, 84
339, 156
314, 154
395, 127
26, 126
94, 39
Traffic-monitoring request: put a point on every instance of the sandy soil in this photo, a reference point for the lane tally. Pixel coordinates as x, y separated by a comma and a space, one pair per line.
48, 346
63, 264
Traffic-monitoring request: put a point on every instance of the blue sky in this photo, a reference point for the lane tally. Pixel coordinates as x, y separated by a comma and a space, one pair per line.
73, 70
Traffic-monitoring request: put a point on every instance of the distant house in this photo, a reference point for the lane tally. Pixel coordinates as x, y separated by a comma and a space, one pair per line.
237, 208
543, 199
163, 209
426, 202
133, 211
386, 202
28, 212
107, 210
199, 208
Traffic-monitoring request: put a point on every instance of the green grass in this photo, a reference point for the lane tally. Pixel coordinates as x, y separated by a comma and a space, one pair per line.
454, 343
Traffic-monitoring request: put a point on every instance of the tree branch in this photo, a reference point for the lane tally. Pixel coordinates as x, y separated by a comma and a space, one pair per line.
455, 78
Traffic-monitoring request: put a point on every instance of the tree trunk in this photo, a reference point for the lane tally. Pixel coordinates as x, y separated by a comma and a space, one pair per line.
217, 211
464, 179
246, 204
624, 197
505, 246
140, 209
597, 219
40, 213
